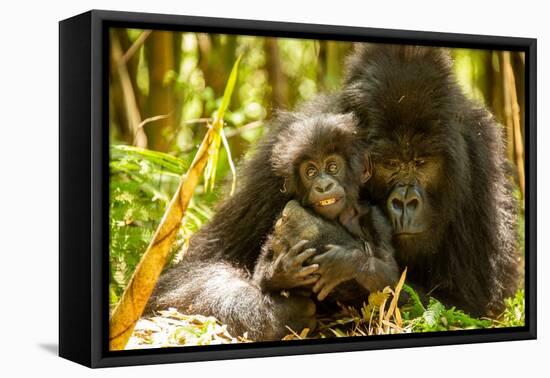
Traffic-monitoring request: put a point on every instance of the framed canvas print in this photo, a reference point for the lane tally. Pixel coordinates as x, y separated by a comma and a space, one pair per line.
234, 188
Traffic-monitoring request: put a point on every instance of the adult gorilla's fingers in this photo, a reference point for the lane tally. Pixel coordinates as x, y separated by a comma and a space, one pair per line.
318, 285
327, 289
306, 271
297, 248
302, 257
318, 259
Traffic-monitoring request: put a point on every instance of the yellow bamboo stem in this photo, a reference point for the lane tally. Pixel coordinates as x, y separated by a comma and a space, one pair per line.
513, 120
145, 277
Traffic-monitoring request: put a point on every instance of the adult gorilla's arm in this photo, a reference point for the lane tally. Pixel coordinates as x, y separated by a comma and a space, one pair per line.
372, 266
214, 276
345, 261
381, 269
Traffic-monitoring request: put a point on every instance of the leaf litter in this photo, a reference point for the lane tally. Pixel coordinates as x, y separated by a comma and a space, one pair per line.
380, 315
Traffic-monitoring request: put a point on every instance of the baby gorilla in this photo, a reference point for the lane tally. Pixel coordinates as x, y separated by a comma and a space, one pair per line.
323, 166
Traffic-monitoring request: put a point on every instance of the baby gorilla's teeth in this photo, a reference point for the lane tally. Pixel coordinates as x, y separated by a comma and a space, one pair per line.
327, 202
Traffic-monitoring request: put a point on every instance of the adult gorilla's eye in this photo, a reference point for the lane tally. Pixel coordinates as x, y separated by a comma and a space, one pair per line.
311, 172
332, 167
419, 162
391, 164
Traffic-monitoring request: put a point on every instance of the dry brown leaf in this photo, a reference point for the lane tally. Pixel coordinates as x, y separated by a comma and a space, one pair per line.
397, 292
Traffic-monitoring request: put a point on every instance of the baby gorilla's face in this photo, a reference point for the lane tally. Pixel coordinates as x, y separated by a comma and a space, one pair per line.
322, 182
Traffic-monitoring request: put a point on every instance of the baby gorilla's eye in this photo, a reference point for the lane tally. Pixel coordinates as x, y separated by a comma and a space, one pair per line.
311, 172
332, 167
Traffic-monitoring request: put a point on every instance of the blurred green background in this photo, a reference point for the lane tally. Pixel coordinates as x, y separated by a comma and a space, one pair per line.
164, 88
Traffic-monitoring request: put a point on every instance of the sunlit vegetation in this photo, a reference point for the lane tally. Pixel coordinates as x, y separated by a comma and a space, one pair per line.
380, 315
167, 89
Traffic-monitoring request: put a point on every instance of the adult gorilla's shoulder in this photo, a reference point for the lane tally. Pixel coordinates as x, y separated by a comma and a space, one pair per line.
439, 173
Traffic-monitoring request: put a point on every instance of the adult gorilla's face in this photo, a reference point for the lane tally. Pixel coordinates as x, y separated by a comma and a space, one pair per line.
405, 97
408, 182
406, 176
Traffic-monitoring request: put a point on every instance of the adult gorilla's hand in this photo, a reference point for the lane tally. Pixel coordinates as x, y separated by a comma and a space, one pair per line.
337, 265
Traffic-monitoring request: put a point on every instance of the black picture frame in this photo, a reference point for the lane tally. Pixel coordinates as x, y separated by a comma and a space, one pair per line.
84, 193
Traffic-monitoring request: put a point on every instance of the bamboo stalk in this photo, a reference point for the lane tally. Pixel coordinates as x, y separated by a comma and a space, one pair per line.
513, 119
144, 279
135, 47
505, 105
136, 295
130, 101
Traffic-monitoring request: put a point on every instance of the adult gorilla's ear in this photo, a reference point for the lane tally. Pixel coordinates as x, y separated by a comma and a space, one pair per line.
367, 168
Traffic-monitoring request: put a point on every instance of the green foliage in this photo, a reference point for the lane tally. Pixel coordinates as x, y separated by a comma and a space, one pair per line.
433, 313
514, 314
436, 317
471, 69
219, 137
141, 185
415, 306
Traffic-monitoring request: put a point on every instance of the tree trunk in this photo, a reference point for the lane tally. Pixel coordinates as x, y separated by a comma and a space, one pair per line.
117, 108
276, 77
162, 64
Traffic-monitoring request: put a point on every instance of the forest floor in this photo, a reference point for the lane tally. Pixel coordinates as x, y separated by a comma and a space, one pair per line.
380, 316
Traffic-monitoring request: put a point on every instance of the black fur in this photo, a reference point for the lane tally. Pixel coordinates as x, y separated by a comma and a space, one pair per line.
364, 260
409, 93
472, 257
314, 137
222, 255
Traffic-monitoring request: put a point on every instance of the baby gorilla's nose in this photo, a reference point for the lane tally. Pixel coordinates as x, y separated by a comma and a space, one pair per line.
324, 187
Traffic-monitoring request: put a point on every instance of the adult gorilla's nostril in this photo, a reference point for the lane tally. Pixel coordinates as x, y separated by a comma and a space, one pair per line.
404, 206
397, 204
413, 204
329, 187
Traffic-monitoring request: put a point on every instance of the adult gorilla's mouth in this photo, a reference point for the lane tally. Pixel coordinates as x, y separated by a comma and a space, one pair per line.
408, 234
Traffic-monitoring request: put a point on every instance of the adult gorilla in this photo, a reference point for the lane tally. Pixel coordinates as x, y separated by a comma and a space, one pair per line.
439, 173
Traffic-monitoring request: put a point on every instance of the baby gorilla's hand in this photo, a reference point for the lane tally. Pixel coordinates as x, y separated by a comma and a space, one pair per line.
336, 265
288, 270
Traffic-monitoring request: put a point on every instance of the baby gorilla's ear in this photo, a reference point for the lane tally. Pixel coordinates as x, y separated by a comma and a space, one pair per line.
367, 168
